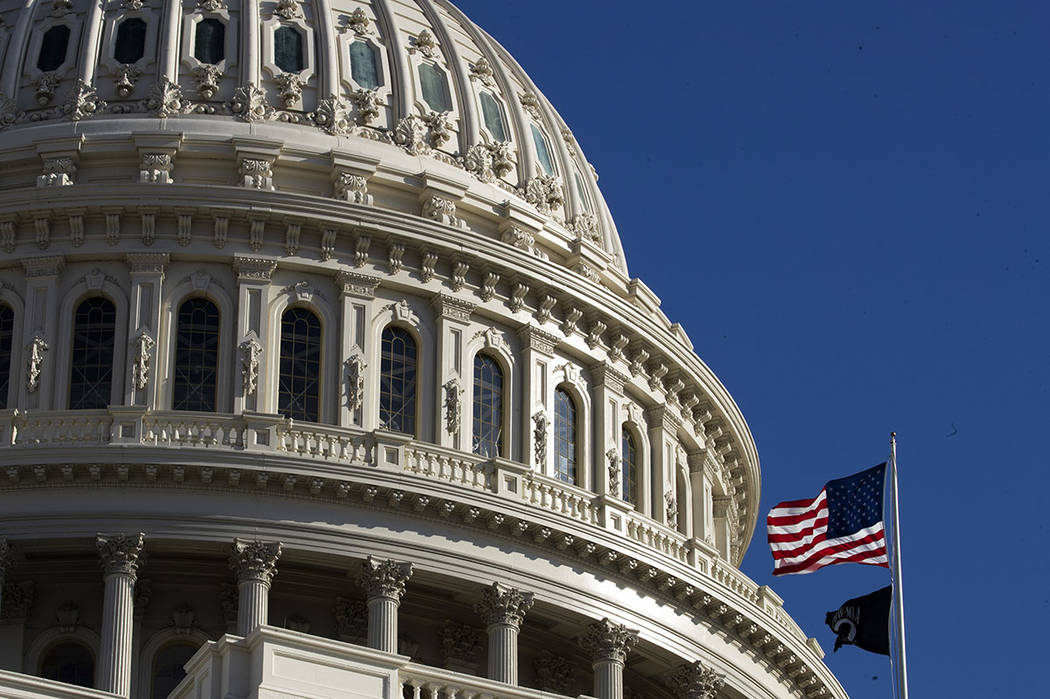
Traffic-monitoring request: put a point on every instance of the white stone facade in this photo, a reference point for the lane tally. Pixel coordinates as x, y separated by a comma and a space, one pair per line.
296, 535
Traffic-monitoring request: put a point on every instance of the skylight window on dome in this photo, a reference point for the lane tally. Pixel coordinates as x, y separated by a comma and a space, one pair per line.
492, 111
543, 153
364, 68
209, 41
288, 49
130, 45
53, 48
434, 86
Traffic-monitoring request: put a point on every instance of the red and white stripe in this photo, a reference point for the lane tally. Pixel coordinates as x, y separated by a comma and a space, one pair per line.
797, 532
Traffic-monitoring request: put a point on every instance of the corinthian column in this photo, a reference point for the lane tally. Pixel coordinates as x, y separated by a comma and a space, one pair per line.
503, 609
255, 564
120, 560
608, 644
384, 584
694, 681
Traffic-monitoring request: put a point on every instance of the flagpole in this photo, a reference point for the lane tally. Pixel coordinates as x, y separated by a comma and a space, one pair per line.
895, 570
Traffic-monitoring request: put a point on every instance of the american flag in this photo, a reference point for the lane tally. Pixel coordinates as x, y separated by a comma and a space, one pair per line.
844, 524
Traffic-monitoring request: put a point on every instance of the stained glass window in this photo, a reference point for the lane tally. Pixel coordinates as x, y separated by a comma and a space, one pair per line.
288, 49
91, 365
131, 40
564, 436
196, 356
397, 381
364, 68
209, 41
7, 330
53, 48
542, 152
493, 114
629, 465
435, 87
488, 406
69, 662
298, 385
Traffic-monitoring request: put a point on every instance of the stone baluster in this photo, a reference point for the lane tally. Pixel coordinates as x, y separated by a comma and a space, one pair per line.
120, 555
695, 681
608, 643
503, 609
384, 585
255, 563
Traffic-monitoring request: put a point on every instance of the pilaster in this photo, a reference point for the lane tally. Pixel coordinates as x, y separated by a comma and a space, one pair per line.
253, 282
452, 316
357, 293
702, 491
255, 564
147, 277
39, 333
119, 555
384, 585
537, 354
503, 610
607, 397
663, 441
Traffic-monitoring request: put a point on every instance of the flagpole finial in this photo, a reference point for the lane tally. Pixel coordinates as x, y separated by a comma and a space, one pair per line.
893, 434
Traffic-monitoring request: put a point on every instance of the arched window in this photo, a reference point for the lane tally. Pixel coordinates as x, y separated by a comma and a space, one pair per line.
288, 49
492, 112
167, 667
542, 151
364, 66
91, 365
565, 436
488, 406
53, 48
69, 662
7, 330
434, 85
131, 40
209, 41
196, 356
629, 464
397, 381
299, 387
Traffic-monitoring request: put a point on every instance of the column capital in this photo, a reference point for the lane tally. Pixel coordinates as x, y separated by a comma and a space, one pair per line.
695, 681
356, 284
452, 308
501, 604
384, 578
50, 266
147, 262
120, 553
606, 640
539, 340
253, 269
255, 560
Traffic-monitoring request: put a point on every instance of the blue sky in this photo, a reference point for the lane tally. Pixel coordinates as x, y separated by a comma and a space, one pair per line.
846, 207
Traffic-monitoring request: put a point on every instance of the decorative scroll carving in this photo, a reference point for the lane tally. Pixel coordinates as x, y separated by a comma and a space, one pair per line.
256, 173
125, 77
517, 296
504, 605
352, 188
120, 553
482, 70
453, 407
165, 98
411, 134
488, 286
351, 618
395, 257
585, 226
695, 681
384, 578
594, 335
553, 672
539, 434
424, 43
366, 103
58, 172
289, 88
531, 103
428, 266
45, 88
488, 161
358, 23
155, 168
35, 361
251, 354
255, 560
355, 380
249, 103
546, 306
545, 193
83, 102
441, 210
207, 77
144, 344
606, 640
288, 9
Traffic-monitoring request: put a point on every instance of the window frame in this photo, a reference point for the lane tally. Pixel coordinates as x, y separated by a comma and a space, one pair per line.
306, 30
414, 335
321, 359
36, 39
116, 373
189, 38
577, 441
503, 443
174, 329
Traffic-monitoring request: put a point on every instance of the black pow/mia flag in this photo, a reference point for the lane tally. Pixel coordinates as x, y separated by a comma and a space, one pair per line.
864, 622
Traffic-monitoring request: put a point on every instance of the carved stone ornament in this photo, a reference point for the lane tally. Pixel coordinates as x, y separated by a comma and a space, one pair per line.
411, 133
504, 605
453, 405
672, 509
249, 103
545, 193
355, 380
488, 286
183, 618
585, 226
333, 116
58, 172
482, 70
165, 98
351, 618
60, 8
120, 553
83, 102
17, 601
207, 76
403, 312
488, 161
9, 112
531, 103
441, 128
211, 5
695, 681
460, 645
256, 173
155, 168
605, 640
384, 578
44, 87
35, 362
352, 188
553, 672
251, 355
366, 103
441, 210
290, 88
539, 434
614, 472
287, 9
357, 22
67, 616
255, 560
424, 43
144, 344
124, 79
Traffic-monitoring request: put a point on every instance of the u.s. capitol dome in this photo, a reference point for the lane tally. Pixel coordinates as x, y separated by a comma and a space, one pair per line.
322, 375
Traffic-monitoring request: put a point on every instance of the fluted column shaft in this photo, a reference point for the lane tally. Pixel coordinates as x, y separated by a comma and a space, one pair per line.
608, 644
120, 559
384, 585
503, 609
255, 564
608, 678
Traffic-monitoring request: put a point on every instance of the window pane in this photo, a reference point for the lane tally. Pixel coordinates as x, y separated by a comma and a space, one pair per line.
196, 356
542, 152
298, 385
131, 41
91, 366
580, 191
288, 49
564, 437
488, 407
493, 114
363, 67
435, 87
397, 381
53, 48
167, 668
7, 330
71, 663
209, 42
629, 477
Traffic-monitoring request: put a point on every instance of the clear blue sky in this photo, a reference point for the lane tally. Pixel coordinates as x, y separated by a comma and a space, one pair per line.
845, 204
